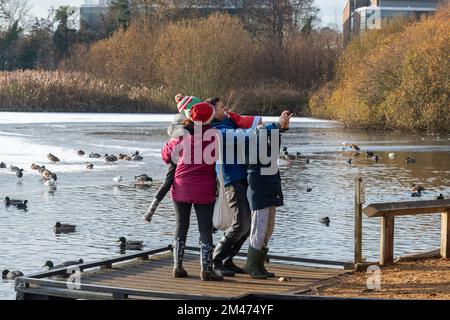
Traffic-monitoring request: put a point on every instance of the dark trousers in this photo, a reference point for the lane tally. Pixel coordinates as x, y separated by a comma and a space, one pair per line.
204, 218
239, 231
167, 184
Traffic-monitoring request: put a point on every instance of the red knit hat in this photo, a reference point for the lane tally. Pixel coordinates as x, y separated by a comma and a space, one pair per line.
244, 122
202, 112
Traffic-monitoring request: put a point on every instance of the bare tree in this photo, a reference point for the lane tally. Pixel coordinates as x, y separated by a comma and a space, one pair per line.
13, 11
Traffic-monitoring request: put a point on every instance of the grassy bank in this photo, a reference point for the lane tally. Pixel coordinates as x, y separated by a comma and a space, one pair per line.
72, 92
393, 78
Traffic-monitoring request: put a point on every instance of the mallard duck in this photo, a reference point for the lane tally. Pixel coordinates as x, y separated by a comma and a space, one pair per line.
137, 157
94, 155
35, 167
52, 158
127, 158
349, 161
122, 156
410, 160
41, 169
81, 153
288, 156
325, 220
416, 194
136, 153
23, 205
11, 275
46, 174
110, 159
64, 228
130, 245
13, 202
89, 165
440, 197
49, 264
143, 179
2, 165
308, 189
13, 168
19, 174
50, 183
118, 179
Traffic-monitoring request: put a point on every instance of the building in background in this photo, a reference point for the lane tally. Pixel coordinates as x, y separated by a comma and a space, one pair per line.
361, 15
92, 13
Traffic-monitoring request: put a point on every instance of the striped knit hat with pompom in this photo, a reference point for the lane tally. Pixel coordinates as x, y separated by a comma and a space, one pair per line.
186, 104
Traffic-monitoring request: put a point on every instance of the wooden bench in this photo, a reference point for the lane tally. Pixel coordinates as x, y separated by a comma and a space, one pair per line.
388, 211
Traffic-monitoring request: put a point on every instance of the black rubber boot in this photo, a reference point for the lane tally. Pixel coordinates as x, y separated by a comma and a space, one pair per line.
254, 258
263, 261
220, 253
228, 262
178, 253
207, 273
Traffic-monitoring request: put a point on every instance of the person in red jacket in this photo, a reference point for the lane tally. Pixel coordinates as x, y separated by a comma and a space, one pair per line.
194, 185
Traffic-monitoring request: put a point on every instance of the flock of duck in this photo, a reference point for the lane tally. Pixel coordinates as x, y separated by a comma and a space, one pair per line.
49, 178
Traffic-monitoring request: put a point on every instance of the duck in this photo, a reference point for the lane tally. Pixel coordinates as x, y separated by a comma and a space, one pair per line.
351, 145
410, 160
35, 167
110, 159
370, 154
11, 275
46, 174
81, 153
298, 154
349, 161
2, 165
376, 158
308, 161
416, 194
50, 183
392, 155
288, 156
19, 174
118, 179
440, 197
127, 158
49, 264
122, 156
52, 158
94, 155
41, 169
89, 165
136, 153
22, 205
308, 189
130, 245
13, 168
136, 157
143, 179
13, 202
325, 220
64, 228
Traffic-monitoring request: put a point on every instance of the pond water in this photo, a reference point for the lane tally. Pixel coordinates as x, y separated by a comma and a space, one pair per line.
104, 210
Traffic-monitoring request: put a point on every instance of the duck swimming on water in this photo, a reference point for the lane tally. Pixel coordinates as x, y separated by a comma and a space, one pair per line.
326, 221
52, 158
94, 155
13, 202
130, 245
81, 153
11, 275
143, 179
64, 228
2, 165
49, 264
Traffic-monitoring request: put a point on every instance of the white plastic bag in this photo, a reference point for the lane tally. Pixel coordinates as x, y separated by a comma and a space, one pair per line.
223, 216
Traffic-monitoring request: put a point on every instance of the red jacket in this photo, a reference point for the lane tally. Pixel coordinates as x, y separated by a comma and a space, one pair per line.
193, 183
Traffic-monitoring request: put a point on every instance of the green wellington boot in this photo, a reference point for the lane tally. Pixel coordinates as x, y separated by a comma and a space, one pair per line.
263, 261
254, 260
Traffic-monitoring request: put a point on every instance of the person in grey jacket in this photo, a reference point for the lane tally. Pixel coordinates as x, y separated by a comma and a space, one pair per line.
175, 129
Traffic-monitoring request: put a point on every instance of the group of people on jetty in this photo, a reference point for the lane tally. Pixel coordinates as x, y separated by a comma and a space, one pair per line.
252, 193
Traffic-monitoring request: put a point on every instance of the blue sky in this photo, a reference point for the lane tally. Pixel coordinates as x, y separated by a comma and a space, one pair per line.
331, 10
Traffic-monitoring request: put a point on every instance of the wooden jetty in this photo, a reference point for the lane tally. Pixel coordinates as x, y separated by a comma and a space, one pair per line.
148, 275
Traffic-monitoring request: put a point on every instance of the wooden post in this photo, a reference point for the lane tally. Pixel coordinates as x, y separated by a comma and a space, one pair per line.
445, 235
358, 220
387, 240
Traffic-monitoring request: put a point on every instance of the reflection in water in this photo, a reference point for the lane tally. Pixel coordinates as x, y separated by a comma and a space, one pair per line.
104, 211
